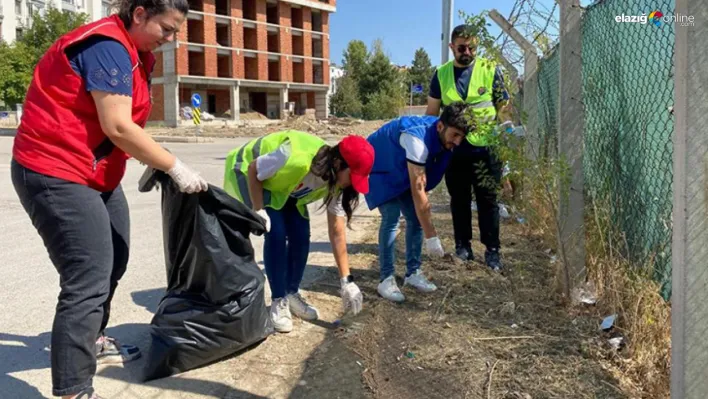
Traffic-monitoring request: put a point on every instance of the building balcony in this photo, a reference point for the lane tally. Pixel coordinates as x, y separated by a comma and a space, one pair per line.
248, 52
221, 19
324, 5
300, 63
70, 5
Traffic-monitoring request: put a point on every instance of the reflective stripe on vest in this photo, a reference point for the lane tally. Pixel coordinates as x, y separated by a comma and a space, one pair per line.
242, 179
479, 96
483, 104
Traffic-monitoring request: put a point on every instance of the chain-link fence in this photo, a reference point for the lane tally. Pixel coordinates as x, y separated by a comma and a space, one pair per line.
627, 88
628, 85
548, 75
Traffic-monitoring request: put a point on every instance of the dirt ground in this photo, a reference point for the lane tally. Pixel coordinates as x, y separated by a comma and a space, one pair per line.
258, 127
480, 335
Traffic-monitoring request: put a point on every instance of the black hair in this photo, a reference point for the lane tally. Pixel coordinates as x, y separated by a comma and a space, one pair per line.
461, 31
325, 166
153, 7
456, 115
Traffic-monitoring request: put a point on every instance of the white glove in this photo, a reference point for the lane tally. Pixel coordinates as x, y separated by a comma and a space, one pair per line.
351, 296
262, 213
187, 179
433, 247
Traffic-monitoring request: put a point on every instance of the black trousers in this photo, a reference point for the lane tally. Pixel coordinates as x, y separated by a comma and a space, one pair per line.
478, 169
86, 234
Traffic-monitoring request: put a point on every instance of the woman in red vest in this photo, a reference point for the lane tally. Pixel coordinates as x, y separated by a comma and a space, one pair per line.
84, 115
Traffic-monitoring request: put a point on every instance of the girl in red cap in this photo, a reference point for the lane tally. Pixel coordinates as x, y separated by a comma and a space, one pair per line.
278, 175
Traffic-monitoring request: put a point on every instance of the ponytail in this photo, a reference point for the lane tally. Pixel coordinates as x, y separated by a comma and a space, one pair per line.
125, 8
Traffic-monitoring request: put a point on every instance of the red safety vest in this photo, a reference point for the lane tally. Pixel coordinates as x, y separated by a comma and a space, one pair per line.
60, 134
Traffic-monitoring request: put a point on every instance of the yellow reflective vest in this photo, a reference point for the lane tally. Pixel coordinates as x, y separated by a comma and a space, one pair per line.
479, 95
276, 189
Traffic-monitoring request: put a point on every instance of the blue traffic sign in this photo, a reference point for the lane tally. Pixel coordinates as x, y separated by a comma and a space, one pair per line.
417, 89
196, 100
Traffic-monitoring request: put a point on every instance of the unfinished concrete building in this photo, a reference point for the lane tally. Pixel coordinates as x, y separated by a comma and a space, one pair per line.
267, 56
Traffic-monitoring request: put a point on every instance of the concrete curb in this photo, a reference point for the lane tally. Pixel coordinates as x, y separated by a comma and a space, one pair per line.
159, 139
182, 139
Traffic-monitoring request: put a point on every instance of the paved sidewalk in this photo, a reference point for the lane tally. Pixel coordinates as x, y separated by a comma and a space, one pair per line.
29, 287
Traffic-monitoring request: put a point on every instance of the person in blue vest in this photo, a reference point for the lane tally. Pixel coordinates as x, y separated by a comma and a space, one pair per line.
413, 154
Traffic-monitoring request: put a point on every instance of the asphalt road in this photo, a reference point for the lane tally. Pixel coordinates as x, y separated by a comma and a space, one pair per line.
29, 285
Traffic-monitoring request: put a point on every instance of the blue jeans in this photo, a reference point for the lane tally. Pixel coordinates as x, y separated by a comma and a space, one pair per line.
390, 215
285, 249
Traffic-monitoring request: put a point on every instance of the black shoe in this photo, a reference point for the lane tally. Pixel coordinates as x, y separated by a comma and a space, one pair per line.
464, 253
492, 259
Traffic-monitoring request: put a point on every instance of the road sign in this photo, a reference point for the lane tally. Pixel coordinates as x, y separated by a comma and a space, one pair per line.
197, 116
417, 89
196, 100
196, 111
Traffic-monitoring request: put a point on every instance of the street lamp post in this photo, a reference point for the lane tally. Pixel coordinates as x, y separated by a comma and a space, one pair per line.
447, 18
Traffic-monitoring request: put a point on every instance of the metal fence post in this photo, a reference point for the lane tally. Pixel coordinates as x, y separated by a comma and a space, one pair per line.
510, 68
530, 82
571, 127
689, 301
530, 113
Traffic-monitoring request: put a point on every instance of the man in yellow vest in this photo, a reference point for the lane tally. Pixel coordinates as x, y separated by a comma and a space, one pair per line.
479, 82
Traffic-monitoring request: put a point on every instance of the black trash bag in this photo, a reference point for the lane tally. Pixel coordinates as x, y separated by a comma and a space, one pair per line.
214, 305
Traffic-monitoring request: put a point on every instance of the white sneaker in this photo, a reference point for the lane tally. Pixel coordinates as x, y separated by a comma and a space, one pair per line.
302, 309
280, 315
419, 282
389, 290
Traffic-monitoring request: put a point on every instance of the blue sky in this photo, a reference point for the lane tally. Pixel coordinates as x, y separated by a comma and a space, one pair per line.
403, 25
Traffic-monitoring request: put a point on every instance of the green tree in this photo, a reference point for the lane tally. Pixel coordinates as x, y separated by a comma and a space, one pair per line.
345, 101
421, 72
379, 72
386, 102
18, 60
47, 28
354, 59
16, 66
371, 86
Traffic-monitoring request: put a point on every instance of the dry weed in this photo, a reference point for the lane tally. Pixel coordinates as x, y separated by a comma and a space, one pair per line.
644, 317
623, 288
446, 344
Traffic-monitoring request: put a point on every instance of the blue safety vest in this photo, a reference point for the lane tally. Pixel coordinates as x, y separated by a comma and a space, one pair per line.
389, 176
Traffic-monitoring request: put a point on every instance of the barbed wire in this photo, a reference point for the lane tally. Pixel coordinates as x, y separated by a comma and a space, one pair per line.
536, 21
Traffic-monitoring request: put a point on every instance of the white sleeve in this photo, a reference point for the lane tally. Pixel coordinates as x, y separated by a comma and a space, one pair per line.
416, 151
269, 164
335, 206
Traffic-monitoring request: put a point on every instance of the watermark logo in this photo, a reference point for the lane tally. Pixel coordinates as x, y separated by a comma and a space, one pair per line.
656, 18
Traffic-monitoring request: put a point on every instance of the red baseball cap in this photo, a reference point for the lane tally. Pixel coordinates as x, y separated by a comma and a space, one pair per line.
359, 155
